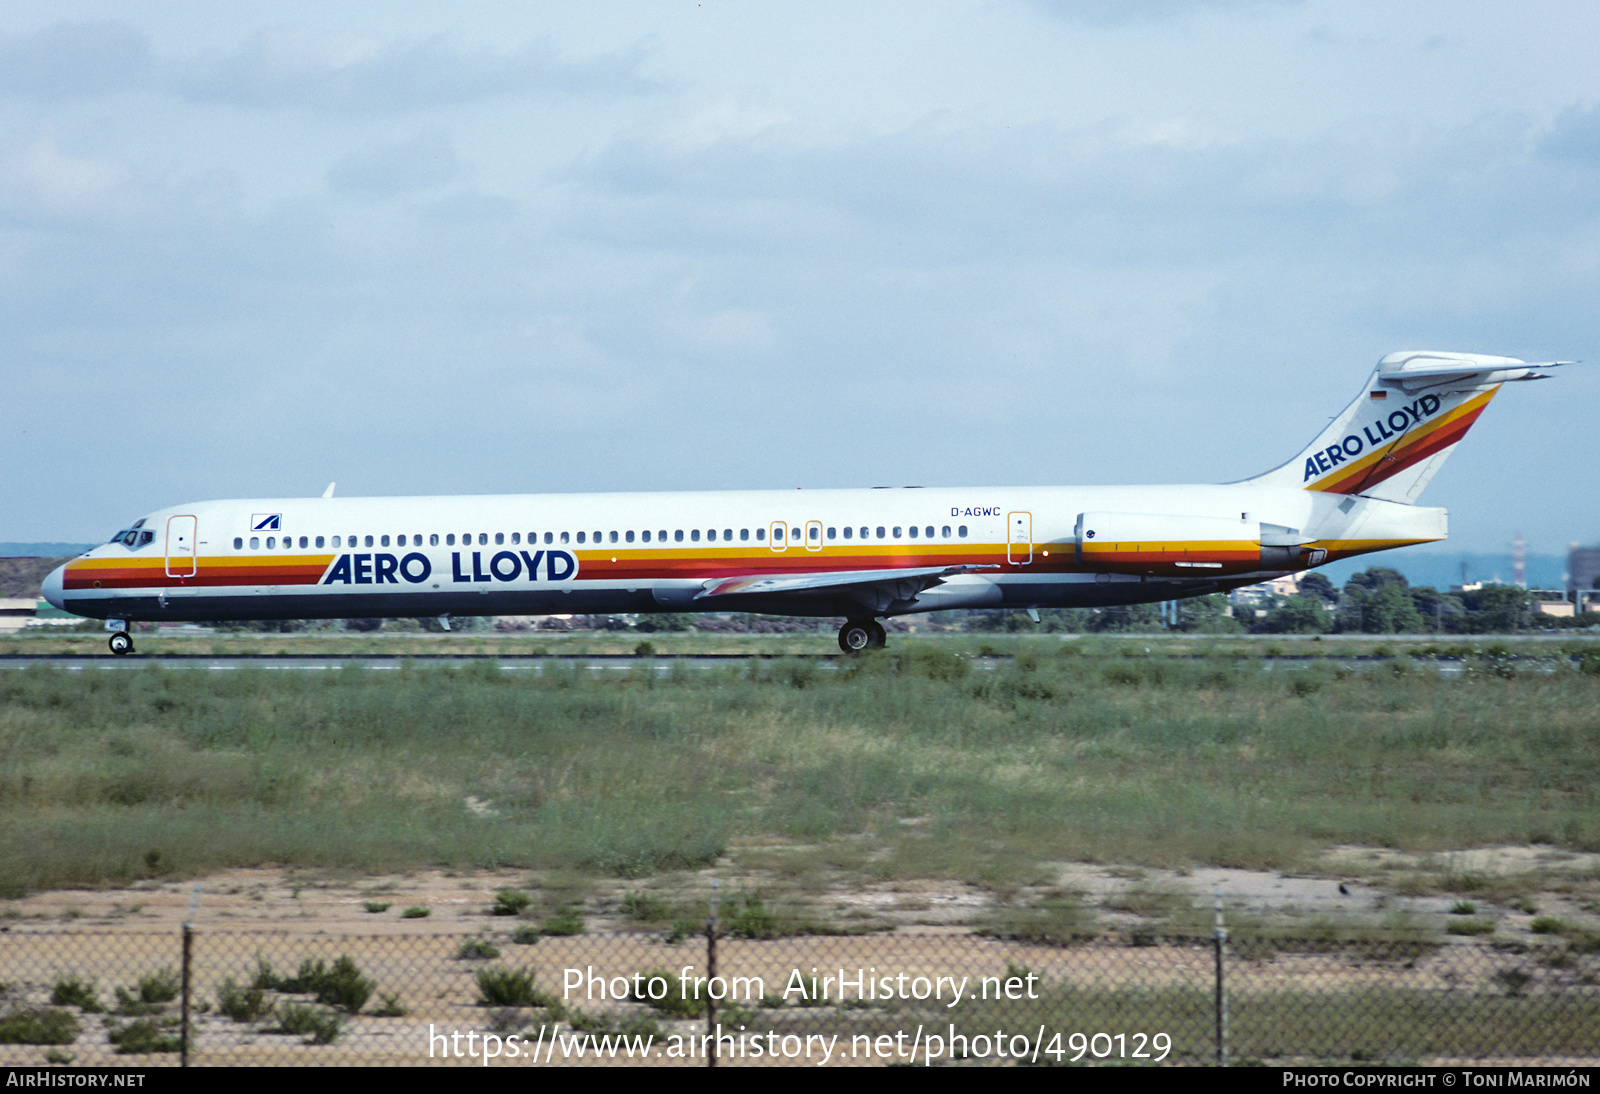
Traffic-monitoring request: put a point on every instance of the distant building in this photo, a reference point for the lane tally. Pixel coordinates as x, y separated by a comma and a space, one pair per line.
1583, 567
1262, 592
16, 613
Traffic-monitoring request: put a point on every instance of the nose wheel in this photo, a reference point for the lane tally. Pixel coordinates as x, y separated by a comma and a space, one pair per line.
121, 643
862, 634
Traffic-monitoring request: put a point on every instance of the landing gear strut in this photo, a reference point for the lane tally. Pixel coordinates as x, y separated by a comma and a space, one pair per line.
121, 643
861, 634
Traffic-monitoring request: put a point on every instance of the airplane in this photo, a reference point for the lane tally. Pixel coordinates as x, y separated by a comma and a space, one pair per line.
865, 555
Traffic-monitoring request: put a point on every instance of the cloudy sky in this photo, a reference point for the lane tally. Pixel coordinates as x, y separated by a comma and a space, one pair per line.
426, 248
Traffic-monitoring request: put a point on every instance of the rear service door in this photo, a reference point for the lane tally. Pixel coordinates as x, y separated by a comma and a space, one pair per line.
182, 561
1019, 538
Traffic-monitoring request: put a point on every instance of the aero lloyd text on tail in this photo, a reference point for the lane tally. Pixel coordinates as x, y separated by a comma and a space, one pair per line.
862, 555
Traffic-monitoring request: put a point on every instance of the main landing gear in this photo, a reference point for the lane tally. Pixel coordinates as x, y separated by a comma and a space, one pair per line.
861, 634
121, 643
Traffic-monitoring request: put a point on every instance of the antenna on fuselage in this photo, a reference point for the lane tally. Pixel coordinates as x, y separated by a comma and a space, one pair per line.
328, 493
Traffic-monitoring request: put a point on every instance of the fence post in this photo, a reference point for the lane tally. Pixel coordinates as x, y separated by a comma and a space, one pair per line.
711, 975
188, 940
183, 1037
1220, 935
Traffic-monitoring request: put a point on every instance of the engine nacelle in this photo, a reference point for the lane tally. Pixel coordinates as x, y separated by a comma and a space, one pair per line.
1167, 545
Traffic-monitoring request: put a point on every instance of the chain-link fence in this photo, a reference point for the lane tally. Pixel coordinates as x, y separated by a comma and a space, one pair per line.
928, 996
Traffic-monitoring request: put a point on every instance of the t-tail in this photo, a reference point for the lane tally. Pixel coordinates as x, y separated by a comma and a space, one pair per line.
1414, 409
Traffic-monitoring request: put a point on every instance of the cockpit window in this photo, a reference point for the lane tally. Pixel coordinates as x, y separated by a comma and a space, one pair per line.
132, 538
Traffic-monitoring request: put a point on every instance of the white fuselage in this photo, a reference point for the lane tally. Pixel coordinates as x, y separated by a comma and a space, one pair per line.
799, 552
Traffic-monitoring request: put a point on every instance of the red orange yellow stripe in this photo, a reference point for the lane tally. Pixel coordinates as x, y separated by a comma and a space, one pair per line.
1410, 449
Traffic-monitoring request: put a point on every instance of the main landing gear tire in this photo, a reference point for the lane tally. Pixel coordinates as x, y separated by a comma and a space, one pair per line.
858, 635
121, 643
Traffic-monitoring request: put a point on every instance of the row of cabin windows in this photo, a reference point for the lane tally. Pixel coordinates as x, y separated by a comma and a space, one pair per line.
796, 535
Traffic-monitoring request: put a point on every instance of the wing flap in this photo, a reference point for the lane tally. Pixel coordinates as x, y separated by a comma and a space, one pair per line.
922, 577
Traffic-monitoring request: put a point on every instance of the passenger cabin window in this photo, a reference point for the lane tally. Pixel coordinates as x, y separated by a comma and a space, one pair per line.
629, 536
744, 535
847, 532
645, 534
695, 535
962, 531
833, 533
238, 542
896, 531
272, 541
580, 537
483, 539
383, 541
255, 543
930, 531
499, 539
661, 536
614, 537
369, 540
433, 539
880, 531
677, 537
913, 531
816, 532
761, 535
303, 542
564, 537
945, 531
516, 537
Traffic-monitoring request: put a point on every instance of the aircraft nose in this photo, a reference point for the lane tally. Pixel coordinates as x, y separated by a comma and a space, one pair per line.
54, 587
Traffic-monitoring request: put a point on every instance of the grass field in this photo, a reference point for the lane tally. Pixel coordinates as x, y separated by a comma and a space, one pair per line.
910, 763
89, 640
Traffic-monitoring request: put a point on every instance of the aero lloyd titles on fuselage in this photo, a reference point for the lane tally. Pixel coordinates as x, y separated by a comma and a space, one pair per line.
1372, 435
465, 567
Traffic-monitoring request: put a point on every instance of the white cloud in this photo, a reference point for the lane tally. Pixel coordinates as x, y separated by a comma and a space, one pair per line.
288, 67
389, 170
42, 180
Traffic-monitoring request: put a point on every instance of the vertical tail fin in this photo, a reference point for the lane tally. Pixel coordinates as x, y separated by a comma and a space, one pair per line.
1396, 434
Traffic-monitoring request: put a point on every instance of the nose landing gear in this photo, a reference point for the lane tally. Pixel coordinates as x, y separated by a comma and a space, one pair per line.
121, 643
861, 634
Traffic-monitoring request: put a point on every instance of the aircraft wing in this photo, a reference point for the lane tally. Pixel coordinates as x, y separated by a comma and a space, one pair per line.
888, 585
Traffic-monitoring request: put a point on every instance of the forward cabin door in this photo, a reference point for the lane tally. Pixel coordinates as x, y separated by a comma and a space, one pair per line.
182, 559
1019, 538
